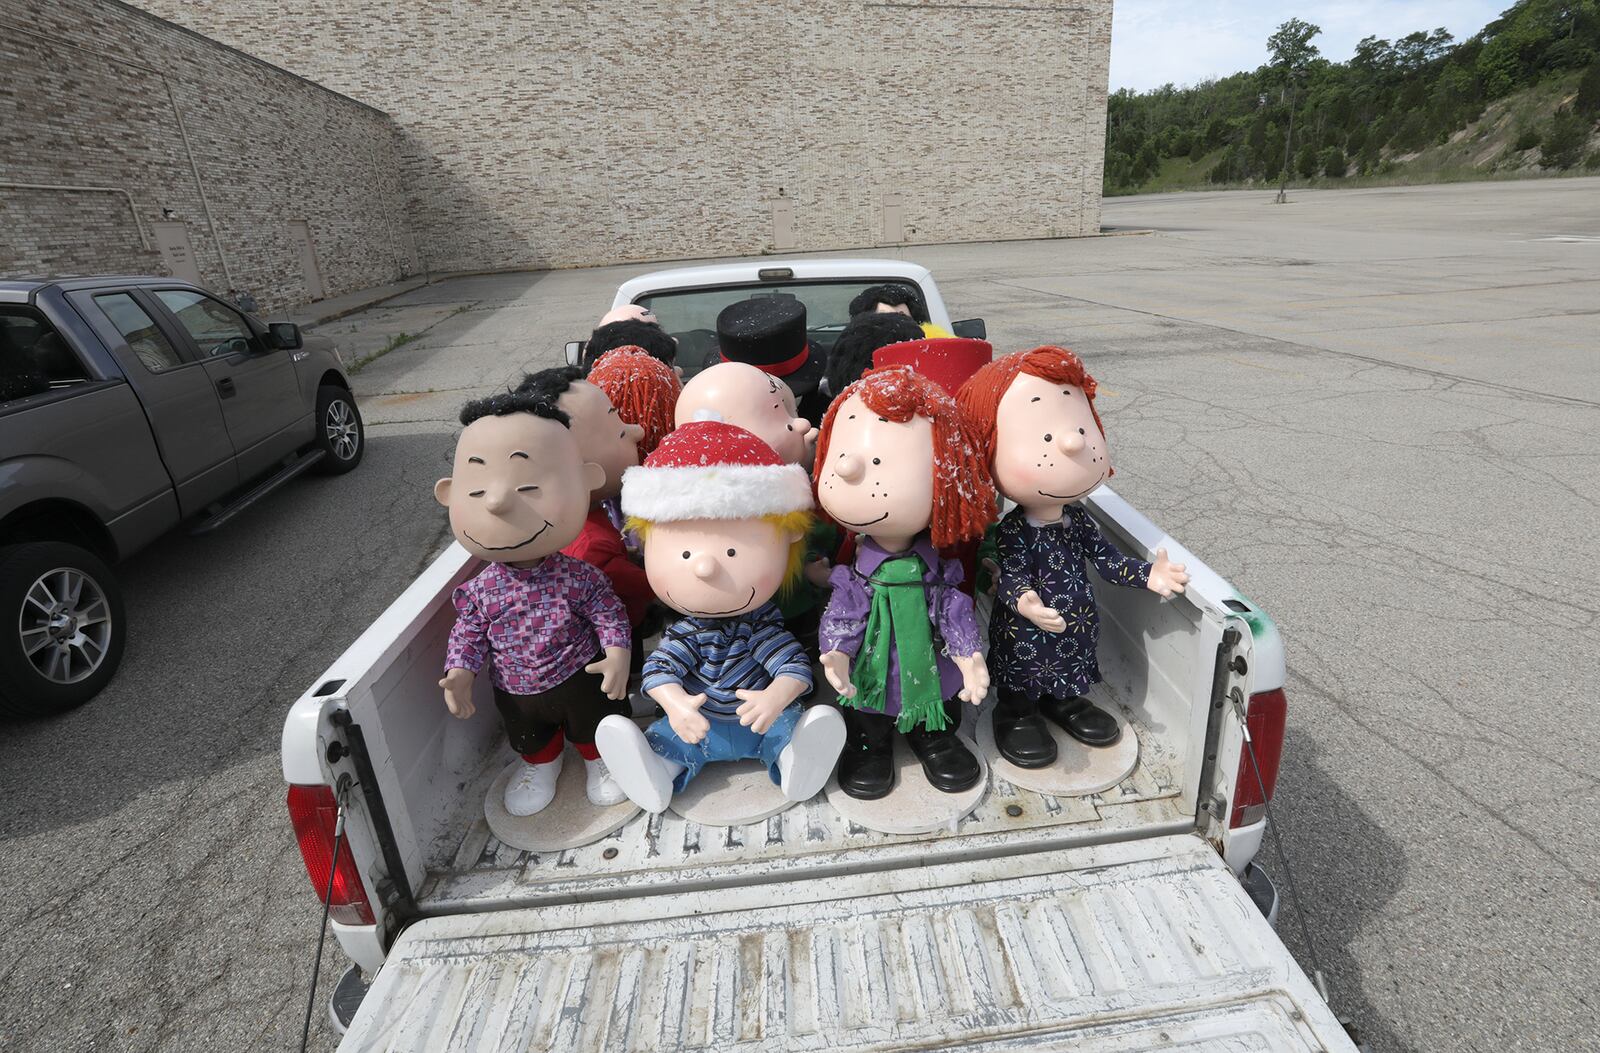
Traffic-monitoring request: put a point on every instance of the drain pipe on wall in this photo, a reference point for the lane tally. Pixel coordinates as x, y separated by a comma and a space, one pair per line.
144, 241
183, 132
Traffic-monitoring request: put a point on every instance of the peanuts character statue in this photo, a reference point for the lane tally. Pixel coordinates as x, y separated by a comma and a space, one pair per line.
552, 630
896, 463
643, 389
763, 405
612, 443
723, 520
1035, 416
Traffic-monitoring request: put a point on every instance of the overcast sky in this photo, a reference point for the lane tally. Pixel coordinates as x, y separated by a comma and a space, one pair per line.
1157, 41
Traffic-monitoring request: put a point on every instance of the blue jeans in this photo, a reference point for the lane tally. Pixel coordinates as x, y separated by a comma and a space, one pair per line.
727, 740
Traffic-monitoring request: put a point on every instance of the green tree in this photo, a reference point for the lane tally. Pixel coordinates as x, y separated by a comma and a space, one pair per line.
1305, 162
1292, 53
1332, 162
1561, 145
1588, 101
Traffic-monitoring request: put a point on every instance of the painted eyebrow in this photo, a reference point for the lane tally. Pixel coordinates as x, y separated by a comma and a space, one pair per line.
613, 409
474, 460
519, 453
1034, 399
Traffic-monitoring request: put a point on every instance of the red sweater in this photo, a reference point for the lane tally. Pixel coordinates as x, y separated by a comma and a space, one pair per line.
601, 545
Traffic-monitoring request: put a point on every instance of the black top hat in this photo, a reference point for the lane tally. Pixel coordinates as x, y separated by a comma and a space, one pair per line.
769, 332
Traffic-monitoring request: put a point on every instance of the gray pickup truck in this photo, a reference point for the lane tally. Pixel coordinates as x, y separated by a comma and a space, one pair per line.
128, 406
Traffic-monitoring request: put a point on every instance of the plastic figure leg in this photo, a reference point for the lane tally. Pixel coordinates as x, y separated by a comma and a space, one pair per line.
810, 745
1082, 719
947, 762
1020, 733
866, 767
644, 775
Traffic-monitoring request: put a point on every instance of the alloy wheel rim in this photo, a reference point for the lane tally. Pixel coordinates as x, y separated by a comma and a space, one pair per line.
65, 625
342, 434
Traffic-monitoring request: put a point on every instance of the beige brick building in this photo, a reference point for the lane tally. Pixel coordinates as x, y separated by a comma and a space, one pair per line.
538, 134
130, 144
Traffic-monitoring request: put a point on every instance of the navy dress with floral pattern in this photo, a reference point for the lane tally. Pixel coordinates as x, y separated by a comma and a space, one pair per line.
1050, 560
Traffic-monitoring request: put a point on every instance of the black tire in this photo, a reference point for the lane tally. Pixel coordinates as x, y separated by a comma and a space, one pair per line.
340, 434
73, 644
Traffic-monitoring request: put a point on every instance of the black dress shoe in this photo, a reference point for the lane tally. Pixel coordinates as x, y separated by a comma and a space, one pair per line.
1024, 741
1079, 717
946, 761
866, 772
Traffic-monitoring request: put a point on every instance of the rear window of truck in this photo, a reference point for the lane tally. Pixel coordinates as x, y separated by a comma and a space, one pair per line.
34, 359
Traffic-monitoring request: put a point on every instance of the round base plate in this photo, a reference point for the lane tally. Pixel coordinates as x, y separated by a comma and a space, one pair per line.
1079, 770
730, 793
913, 806
569, 821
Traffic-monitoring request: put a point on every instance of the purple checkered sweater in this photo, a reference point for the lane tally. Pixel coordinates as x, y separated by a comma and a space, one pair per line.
536, 625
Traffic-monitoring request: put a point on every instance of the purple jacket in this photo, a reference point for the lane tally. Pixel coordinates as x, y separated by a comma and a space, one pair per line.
955, 622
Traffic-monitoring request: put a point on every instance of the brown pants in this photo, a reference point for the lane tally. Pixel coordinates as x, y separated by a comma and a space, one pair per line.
574, 707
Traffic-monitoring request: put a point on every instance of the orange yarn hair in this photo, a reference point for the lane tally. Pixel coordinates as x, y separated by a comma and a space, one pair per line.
963, 493
980, 396
642, 387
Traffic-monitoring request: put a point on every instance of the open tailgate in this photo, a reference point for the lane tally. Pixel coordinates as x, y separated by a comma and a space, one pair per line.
1140, 946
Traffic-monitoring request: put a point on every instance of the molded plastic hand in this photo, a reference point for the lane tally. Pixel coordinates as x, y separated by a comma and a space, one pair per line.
457, 684
613, 672
1166, 577
683, 711
817, 572
759, 708
1031, 607
836, 667
974, 677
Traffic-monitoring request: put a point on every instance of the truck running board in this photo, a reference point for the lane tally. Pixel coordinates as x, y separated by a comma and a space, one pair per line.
256, 493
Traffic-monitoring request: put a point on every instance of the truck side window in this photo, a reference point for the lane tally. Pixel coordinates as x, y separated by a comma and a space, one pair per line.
146, 341
216, 328
34, 358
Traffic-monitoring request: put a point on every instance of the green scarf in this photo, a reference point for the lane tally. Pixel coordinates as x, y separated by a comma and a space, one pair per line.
899, 618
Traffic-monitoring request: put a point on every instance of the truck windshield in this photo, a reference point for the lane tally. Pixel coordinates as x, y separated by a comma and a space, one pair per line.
690, 315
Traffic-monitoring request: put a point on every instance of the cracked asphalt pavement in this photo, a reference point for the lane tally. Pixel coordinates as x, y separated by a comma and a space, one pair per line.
1376, 411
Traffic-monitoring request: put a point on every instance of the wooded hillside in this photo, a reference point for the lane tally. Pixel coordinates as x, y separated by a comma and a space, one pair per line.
1390, 103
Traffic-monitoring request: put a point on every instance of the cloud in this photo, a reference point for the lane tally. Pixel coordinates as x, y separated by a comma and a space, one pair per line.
1155, 42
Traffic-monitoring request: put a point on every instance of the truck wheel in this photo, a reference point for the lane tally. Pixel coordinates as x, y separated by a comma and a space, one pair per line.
339, 433
61, 628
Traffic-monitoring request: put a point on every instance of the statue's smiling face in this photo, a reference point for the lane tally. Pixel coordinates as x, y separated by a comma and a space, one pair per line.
877, 476
1048, 450
519, 490
716, 568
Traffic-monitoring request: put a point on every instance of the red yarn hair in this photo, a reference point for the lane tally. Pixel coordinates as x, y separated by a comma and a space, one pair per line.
980, 396
963, 492
642, 387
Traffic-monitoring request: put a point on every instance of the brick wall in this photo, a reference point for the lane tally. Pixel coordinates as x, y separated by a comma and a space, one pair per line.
538, 134
97, 94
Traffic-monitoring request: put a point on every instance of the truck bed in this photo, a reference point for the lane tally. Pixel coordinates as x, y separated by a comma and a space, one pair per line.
474, 870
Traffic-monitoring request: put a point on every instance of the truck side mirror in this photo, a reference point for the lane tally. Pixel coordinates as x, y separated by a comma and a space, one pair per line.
971, 328
285, 336
574, 352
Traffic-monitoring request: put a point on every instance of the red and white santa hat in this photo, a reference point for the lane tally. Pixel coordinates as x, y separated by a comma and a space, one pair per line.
710, 469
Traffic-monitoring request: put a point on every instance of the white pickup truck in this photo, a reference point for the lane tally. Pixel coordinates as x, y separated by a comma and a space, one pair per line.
1128, 920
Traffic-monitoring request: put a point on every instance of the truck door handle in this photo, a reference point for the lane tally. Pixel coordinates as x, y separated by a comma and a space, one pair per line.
225, 388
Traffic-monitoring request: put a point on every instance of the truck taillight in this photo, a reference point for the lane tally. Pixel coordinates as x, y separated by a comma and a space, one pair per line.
314, 812
1265, 718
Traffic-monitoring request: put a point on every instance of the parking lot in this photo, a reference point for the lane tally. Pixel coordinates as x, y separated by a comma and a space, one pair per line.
1377, 412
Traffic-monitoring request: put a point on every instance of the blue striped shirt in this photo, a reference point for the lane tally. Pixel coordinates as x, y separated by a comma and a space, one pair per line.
722, 655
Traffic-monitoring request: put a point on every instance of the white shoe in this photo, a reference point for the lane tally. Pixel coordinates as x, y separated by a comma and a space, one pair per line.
531, 789
808, 759
602, 788
644, 777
